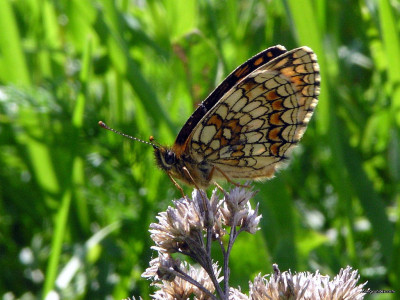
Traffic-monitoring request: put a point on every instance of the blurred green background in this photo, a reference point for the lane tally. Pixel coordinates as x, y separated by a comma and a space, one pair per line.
76, 201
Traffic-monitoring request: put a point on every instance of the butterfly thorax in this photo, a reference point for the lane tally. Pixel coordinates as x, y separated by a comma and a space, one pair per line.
183, 167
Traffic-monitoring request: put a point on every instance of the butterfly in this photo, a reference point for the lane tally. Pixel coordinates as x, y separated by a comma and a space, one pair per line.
247, 127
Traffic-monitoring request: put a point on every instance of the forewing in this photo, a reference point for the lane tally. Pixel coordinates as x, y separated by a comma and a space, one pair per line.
229, 82
254, 126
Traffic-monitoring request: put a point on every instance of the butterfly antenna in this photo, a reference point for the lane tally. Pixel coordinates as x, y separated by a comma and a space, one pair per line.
105, 126
153, 140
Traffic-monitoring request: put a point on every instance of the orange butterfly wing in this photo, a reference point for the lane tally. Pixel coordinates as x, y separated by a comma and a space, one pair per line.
252, 128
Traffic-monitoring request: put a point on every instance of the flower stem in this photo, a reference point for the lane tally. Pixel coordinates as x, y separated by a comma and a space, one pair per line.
186, 277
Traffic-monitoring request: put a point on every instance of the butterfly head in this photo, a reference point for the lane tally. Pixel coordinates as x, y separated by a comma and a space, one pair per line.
179, 167
165, 157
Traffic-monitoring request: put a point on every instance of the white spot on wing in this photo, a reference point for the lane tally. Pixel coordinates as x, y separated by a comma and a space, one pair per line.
208, 133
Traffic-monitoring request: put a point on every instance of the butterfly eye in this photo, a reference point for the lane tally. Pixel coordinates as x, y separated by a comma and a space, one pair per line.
169, 157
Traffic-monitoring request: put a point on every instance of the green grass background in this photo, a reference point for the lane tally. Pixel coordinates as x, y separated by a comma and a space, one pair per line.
76, 201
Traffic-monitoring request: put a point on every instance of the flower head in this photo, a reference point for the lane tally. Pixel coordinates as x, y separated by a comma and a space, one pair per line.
307, 286
251, 220
179, 227
162, 268
236, 209
174, 283
236, 294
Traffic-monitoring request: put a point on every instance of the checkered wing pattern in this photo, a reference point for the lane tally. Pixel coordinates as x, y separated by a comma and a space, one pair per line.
251, 130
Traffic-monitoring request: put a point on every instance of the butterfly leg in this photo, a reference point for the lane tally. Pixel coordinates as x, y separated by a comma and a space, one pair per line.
177, 185
191, 178
228, 179
219, 187
195, 184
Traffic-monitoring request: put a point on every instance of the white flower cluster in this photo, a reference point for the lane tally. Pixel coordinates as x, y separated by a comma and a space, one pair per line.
192, 225
307, 286
181, 228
